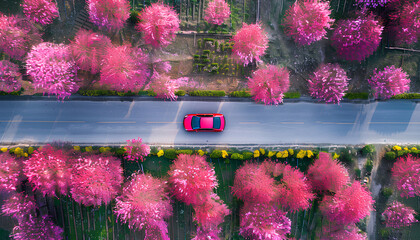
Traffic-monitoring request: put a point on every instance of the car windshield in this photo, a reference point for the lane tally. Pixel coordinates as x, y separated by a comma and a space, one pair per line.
195, 122
216, 122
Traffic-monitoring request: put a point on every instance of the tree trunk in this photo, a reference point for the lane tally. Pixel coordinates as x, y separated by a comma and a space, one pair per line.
258, 12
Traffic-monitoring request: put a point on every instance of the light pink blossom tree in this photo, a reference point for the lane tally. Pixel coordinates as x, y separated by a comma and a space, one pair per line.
250, 43
389, 82
268, 84
159, 23
398, 215
19, 206
136, 150
192, 179
52, 69
10, 169
328, 83
307, 21
37, 229
144, 203
358, 38
406, 176
40, 11
217, 12
10, 77
109, 14
88, 49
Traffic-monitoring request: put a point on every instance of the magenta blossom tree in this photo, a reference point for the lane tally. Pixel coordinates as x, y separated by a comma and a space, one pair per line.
10, 77
250, 43
356, 39
40, 11
19, 206
37, 229
136, 150
96, 180
407, 23
159, 23
109, 14
52, 69
88, 49
165, 87
328, 83
17, 36
371, 3
192, 179
389, 82
48, 170
307, 21
342, 232
10, 169
144, 204
269, 84
398, 215
217, 12
406, 176
124, 68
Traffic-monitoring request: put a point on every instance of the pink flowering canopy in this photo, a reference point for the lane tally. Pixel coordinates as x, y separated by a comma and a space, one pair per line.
328, 83
136, 150
349, 205
144, 203
340, 232
10, 77
17, 36
251, 41
357, 39
406, 176
37, 229
269, 84
263, 221
10, 170
40, 11
326, 174
48, 170
159, 23
19, 206
217, 12
88, 49
124, 68
52, 69
407, 23
109, 14
165, 87
389, 82
210, 214
192, 179
398, 215
307, 21
96, 180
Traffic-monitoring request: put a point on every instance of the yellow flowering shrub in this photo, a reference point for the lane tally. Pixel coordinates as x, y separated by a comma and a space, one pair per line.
160, 153
301, 154
224, 154
200, 152
104, 149
282, 154
76, 148
25, 154
18, 151
262, 151
30, 150
397, 148
271, 153
3, 149
335, 156
256, 153
88, 149
413, 149
309, 154
291, 152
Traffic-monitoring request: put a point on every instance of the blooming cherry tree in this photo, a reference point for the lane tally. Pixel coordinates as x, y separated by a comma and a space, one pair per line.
328, 83
307, 21
40, 11
165, 87
52, 69
37, 229
269, 84
389, 82
251, 41
109, 14
159, 23
136, 150
340, 232
9, 77
19, 206
406, 176
357, 39
398, 215
217, 12
10, 170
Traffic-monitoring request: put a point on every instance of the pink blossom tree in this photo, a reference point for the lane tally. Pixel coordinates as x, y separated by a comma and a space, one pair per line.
269, 84
10, 77
165, 87
342, 232
48, 170
88, 49
349, 205
217, 12
124, 68
307, 21
192, 179
398, 215
251, 41
17, 36
407, 23
159, 23
136, 150
10, 170
144, 203
406, 176
109, 14
96, 180
40, 11
263, 221
326, 174
357, 39
52, 69
389, 82
19, 206
37, 229
328, 83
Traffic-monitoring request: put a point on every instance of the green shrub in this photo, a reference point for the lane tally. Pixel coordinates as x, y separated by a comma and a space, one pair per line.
357, 172
134, 17
206, 60
14, 93
292, 95
184, 151
169, 153
151, 93
180, 93
384, 232
407, 96
207, 93
206, 52
369, 166
216, 45
368, 149
216, 154
346, 157
199, 43
237, 156
196, 56
390, 156
247, 155
143, 93
242, 93
387, 192
119, 152
209, 40
126, 94
359, 95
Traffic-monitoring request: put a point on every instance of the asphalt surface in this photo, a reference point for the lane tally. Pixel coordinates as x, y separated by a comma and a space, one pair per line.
160, 122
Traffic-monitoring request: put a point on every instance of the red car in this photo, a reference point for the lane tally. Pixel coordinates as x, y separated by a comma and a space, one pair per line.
208, 122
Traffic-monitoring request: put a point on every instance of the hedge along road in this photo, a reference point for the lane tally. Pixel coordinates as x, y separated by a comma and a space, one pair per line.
160, 122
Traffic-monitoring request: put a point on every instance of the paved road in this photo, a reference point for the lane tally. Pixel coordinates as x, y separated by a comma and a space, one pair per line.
159, 122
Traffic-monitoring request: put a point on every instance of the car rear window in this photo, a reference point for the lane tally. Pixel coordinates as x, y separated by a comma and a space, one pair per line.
216, 122
195, 122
